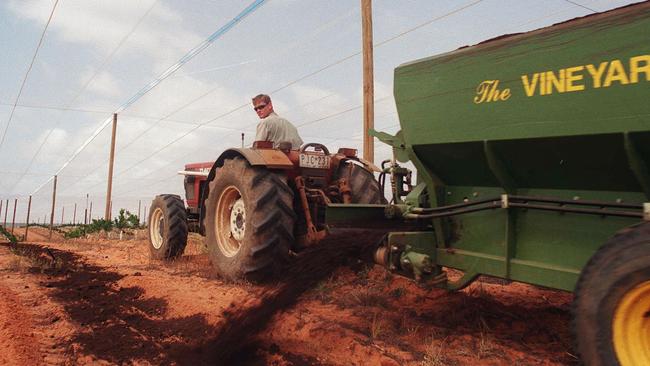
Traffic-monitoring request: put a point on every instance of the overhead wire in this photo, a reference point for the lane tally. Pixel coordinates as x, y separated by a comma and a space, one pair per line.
86, 84
99, 111
295, 81
580, 5
168, 72
29, 69
278, 53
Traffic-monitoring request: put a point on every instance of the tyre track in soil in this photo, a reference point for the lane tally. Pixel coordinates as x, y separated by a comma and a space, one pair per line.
118, 325
236, 339
31, 325
16, 340
114, 324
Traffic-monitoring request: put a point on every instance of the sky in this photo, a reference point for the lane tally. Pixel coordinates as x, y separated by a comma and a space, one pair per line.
96, 55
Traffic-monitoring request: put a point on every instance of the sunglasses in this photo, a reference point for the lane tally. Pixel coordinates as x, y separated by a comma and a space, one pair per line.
260, 107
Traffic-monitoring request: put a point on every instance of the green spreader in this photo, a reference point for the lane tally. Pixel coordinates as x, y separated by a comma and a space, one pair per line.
533, 157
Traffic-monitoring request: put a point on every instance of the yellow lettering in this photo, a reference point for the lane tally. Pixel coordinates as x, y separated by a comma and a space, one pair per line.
616, 72
554, 81
493, 96
636, 68
505, 94
571, 79
542, 83
597, 74
488, 91
482, 91
529, 86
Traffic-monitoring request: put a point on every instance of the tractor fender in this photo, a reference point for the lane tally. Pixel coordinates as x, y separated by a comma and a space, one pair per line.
271, 158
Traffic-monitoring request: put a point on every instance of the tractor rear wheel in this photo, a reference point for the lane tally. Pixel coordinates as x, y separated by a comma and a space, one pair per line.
611, 308
363, 185
167, 227
249, 221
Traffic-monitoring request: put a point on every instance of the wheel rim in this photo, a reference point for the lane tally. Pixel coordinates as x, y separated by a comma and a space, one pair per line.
230, 221
631, 326
156, 226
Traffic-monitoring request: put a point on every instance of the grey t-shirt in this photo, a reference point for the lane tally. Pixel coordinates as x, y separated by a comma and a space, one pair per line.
277, 129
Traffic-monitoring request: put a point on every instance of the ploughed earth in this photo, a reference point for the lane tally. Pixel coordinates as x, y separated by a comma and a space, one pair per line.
102, 301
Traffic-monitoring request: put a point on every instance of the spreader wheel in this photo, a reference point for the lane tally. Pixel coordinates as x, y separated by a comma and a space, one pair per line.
611, 309
167, 227
249, 221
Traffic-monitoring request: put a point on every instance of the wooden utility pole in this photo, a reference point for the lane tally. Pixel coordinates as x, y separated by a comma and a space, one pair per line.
13, 219
29, 208
107, 214
86, 211
368, 81
6, 210
53, 202
74, 215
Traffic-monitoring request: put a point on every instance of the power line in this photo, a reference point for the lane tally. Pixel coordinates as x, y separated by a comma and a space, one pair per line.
29, 69
90, 80
319, 30
285, 86
580, 5
147, 88
98, 111
296, 81
56, 108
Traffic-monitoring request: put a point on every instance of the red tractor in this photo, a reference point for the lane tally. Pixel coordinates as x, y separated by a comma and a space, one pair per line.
256, 206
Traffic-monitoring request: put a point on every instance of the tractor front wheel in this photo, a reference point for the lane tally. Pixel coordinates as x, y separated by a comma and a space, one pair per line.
611, 309
249, 221
167, 227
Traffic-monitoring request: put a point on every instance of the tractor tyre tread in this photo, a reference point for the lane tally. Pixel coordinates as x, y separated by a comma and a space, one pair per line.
615, 268
174, 231
269, 221
363, 185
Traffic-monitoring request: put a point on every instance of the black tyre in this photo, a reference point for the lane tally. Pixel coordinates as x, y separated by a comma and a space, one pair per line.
363, 185
167, 227
249, 221
611, 309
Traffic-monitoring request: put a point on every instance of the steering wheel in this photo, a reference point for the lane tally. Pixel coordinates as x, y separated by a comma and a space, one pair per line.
316, 146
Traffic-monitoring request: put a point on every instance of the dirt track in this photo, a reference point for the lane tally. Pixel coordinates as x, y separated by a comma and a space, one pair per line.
102, 301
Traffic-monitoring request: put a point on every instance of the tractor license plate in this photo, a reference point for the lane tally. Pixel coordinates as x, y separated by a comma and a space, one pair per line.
314, 161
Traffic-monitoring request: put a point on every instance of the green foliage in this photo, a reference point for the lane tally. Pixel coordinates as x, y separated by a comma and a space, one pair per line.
93, 227
127, 220
98, 225
9, 235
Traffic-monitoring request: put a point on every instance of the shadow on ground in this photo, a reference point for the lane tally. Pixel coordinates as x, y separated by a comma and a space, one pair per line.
117, 323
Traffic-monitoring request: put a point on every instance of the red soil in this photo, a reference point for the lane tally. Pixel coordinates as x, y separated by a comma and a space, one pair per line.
103, 301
